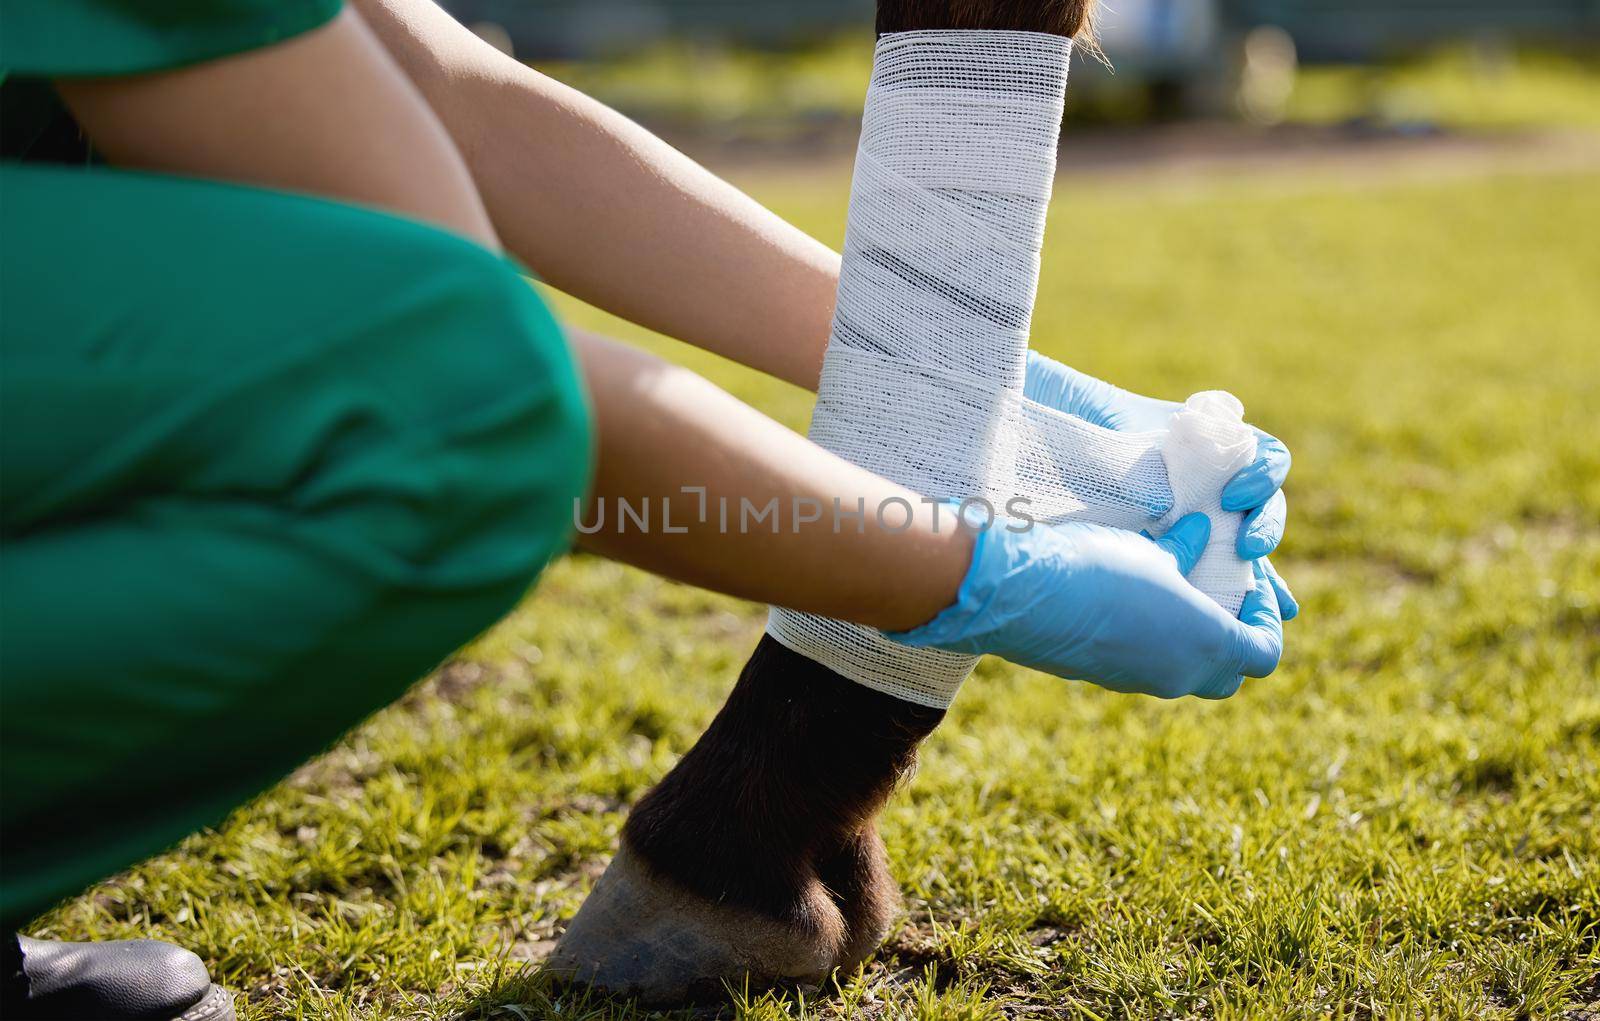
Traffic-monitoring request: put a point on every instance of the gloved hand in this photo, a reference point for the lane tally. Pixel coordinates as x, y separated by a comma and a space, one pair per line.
1109, 606
1256, 489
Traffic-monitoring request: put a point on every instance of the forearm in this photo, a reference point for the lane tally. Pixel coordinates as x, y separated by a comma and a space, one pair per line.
607, 212
662, 428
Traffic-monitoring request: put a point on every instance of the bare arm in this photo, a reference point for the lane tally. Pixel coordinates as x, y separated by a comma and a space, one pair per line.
328, 113
607, 212
662, 428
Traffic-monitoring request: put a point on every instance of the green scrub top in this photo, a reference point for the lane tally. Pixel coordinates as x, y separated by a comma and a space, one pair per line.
65, 38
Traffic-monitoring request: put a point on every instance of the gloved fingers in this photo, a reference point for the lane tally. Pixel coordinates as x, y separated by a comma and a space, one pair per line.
1186, 540
1055, 385
1221, 687
1287, 603
1040, 383
1049, 382
1260, 628
1255, 482
1263, 528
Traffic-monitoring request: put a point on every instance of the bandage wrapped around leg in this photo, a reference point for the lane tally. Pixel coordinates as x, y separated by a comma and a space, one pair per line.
923, 377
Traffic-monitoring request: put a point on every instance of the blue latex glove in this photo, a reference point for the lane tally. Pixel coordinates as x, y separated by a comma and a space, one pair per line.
1108, 606
1256, 489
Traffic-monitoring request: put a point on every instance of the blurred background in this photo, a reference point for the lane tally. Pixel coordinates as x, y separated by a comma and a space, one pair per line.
731, 78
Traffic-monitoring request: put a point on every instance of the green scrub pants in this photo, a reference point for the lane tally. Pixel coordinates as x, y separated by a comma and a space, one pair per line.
264, 461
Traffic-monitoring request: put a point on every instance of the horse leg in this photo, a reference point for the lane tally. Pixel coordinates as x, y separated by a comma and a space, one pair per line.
757, 854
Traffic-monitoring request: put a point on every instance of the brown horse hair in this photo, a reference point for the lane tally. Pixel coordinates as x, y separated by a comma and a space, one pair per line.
782, 789
1071, 18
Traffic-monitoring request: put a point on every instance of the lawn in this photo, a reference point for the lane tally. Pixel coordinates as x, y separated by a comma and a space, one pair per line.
748, 93
1400, 823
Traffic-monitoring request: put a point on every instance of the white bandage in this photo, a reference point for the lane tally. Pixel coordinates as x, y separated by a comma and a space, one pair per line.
923, 378
1205, 445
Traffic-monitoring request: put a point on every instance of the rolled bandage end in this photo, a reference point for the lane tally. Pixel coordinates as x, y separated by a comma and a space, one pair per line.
1207, 442
1210, 427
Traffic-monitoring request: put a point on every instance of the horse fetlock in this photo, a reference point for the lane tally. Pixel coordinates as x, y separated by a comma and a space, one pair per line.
757, 855
857, 877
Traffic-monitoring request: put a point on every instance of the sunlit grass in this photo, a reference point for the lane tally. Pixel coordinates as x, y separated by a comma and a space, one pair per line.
709, 84
1454, 86
1400, 823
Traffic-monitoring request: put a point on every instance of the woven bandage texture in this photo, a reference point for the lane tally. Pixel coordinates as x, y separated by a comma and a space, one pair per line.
922, 382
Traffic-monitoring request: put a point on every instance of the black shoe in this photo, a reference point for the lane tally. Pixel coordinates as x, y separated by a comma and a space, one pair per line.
125, 980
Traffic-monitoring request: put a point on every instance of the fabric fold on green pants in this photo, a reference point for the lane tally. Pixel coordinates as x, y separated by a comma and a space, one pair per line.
264, 461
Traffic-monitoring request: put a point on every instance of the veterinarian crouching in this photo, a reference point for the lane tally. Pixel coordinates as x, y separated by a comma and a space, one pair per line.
282, 428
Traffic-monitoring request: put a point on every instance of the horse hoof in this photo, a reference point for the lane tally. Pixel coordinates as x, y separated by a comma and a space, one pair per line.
639, 934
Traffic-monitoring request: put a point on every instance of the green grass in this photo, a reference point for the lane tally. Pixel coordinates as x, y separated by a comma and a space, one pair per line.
1458, 88
757, 94
1400, 823
708, 84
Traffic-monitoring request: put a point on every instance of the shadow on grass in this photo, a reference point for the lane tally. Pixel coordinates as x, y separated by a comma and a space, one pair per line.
537, 994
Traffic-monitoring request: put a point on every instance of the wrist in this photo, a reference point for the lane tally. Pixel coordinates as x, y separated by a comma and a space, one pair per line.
956, 602
942, 559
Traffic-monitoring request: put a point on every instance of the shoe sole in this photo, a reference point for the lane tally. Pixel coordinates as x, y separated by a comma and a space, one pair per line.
217, 1005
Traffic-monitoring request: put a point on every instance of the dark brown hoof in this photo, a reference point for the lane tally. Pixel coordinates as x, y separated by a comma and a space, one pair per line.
642, 935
